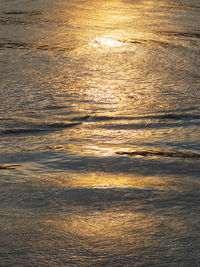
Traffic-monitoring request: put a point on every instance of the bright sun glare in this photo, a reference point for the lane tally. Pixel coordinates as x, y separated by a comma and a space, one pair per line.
107, 41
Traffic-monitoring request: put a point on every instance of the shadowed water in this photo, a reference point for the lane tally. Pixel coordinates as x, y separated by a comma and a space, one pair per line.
99, 128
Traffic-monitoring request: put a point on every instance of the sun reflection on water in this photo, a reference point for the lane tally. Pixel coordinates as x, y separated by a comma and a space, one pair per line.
107, 41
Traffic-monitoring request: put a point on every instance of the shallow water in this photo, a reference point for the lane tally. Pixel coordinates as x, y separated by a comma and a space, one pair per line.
99, 128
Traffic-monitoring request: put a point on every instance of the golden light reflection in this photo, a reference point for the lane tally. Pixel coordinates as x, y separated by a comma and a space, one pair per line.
112, 64
105, 180
110, 44
102, 227
107, 41
117, 233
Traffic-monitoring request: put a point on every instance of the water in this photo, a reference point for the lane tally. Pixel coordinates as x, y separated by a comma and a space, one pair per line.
99, 128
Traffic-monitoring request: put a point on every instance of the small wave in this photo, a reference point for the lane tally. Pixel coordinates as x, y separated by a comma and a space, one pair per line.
82, 118
14, 20
169, 154
45, 128
35, 46
29, 13
147, 121
20, 131
183, 34
170, 116
167, 116
179, 116
9, 167
181, 5
153, 42
55, 107
130, 126
61, 125
20, 17
145, 125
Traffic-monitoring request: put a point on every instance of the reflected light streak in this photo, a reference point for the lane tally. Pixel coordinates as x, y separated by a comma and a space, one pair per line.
108, 78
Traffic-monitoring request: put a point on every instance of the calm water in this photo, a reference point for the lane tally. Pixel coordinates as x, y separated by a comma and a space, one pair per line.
99, 128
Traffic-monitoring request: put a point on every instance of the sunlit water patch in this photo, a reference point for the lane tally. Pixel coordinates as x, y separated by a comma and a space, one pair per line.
99, 127
107, 41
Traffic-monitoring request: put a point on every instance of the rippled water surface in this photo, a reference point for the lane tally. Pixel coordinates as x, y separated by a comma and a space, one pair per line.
99, 128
